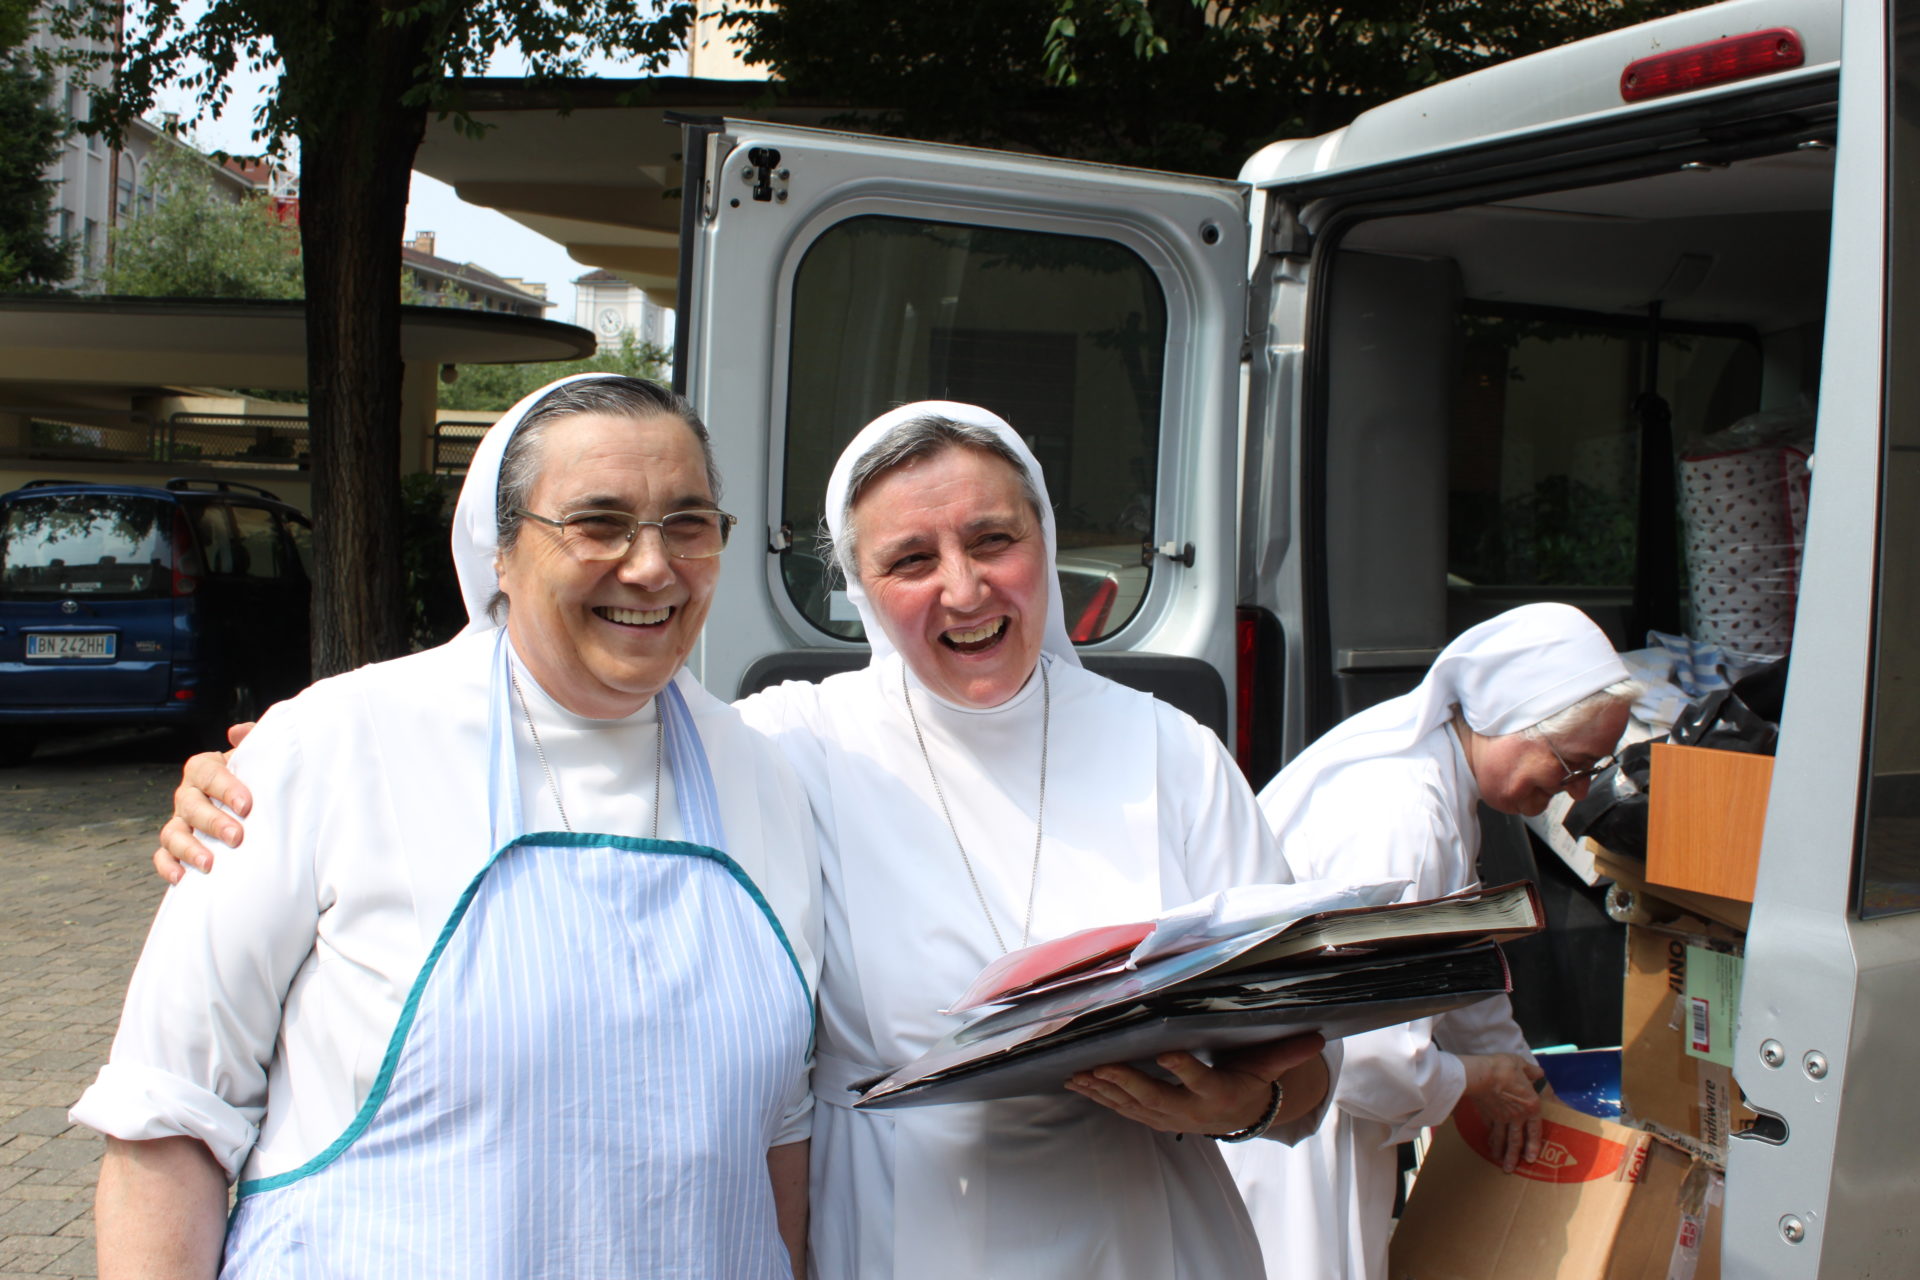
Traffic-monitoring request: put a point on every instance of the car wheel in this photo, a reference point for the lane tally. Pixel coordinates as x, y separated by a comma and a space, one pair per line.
16, 748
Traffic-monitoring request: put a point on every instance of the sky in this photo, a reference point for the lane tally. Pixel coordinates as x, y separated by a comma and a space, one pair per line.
463, 232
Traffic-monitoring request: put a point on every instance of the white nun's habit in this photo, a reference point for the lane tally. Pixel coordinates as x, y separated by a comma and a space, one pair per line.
1144, 810
1388, 795
624, 1105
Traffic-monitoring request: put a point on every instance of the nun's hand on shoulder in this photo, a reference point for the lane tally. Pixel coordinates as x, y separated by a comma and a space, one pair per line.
1233, 1094
205, 779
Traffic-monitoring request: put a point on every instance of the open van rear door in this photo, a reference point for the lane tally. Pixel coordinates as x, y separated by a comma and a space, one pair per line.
831, 276
1828, 1034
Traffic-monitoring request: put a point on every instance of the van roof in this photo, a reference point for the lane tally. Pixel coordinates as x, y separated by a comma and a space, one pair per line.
1576, 82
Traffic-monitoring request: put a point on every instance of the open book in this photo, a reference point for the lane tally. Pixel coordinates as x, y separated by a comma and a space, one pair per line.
1084, 1001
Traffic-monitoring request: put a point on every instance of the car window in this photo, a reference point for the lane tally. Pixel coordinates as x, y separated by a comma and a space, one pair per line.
259, 551
96, 545
1063, 336
301, 534
213, 524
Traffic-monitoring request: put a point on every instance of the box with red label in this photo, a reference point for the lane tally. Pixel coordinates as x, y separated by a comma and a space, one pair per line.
1603, 1202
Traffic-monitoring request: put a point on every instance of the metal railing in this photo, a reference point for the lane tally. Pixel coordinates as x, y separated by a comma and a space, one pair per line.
453, 445
251, 440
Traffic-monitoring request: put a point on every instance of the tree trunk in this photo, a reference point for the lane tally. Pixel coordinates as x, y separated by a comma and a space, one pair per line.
355, 167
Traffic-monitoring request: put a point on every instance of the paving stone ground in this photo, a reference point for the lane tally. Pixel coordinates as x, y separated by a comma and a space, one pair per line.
77, 893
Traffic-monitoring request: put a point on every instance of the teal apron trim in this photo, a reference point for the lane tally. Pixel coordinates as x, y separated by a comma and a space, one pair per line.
544, 839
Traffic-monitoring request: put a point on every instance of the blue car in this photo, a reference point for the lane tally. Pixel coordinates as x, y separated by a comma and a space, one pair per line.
184, 606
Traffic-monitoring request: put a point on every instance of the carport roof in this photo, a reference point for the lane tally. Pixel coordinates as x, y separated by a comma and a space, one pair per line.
595, 164
106, 341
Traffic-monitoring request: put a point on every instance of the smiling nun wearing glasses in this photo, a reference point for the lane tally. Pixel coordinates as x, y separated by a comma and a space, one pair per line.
1513, 711
976, 789
515, 976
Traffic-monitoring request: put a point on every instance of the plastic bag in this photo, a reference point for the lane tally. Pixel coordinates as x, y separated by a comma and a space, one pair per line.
1614, 811
1743, 495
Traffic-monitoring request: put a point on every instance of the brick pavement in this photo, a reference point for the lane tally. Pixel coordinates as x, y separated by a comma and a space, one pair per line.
76, 829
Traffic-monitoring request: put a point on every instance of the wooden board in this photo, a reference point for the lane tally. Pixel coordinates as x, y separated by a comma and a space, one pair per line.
1706, 813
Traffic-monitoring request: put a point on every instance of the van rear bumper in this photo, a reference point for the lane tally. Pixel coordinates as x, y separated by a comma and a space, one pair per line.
166, 714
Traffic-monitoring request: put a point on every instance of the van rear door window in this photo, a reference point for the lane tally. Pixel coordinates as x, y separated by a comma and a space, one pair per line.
97, 545
1063, 336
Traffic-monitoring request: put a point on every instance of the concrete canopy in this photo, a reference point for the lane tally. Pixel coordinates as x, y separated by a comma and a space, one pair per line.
594, 164
184, 341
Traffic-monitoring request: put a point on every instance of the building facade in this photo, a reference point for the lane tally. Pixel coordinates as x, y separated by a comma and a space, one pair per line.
610, 307
442, 282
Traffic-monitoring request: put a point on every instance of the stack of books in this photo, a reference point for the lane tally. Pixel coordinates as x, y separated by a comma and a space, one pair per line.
1111, 995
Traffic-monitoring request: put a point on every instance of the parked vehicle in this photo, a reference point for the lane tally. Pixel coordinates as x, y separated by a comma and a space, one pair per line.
119, 604
1399, 378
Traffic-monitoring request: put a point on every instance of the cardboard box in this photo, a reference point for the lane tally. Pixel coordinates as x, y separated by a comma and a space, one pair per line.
1604, 1202
1676, 1074
1706, 810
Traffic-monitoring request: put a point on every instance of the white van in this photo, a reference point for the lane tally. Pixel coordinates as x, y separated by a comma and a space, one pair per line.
1305, 427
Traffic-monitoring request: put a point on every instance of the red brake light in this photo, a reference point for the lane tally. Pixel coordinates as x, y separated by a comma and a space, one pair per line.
186, 562
1244, 632
1092, 623
1716, 62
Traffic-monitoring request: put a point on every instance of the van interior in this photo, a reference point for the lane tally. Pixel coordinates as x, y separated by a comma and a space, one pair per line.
1540, 398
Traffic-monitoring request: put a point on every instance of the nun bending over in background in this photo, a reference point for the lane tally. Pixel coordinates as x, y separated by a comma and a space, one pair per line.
1515, 710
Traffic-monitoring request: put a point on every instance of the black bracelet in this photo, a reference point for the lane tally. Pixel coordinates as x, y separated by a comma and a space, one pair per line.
1259, 1126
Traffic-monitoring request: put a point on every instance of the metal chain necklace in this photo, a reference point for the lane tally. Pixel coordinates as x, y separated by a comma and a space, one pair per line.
660, 750
1040, 813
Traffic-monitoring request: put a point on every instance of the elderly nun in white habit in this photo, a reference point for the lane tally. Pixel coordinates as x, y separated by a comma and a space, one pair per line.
1513, 711
515, 976
976, 789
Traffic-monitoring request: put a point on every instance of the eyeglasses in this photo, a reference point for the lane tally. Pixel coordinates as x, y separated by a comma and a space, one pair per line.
1574, 775
609, 535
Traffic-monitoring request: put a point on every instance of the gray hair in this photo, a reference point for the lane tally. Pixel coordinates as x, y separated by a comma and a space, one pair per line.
927, 436
615, 396
1572, 718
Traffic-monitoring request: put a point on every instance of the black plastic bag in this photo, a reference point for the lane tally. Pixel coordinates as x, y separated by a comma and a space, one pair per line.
1614, 810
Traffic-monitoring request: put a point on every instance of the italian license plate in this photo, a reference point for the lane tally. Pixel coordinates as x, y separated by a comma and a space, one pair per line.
70, 644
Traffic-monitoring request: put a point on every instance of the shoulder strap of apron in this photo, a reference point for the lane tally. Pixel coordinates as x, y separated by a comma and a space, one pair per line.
503, 775
686, 757
693, 788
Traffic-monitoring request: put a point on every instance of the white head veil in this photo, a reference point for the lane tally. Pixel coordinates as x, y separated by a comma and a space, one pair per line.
476, 528
1507, 674
1053, 637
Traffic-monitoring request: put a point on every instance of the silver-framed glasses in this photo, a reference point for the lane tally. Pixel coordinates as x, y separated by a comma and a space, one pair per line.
608, 535
1574, 775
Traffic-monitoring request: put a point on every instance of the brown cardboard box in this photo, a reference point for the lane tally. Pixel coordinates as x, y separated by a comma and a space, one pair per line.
1684, 1098
1706, 810
1672, 1225
1604, 1202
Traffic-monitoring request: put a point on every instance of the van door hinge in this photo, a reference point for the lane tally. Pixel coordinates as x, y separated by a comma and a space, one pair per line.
1286, 236
764, 174
1179, 553
780, 539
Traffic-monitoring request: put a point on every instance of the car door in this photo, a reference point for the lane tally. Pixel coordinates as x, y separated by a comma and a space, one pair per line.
830, 276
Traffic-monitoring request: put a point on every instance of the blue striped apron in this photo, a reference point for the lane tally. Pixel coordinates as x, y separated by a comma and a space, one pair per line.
585, 1077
